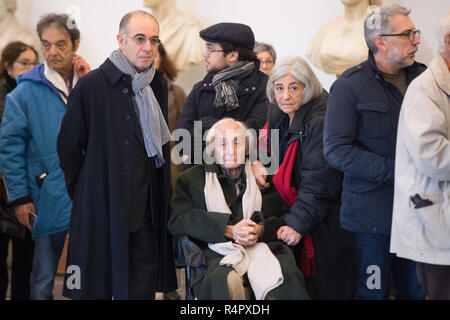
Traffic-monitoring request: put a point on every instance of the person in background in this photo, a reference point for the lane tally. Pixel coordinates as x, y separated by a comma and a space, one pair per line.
16, 59
177, 99
309, 186
359, 139
28, 159
266, 55
421, 217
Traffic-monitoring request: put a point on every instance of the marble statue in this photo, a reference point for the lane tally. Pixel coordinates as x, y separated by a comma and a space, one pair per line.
11, 29
340, 43
179, 33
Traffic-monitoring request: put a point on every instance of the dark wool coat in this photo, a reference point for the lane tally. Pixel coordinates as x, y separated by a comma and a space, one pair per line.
95, 146
190, 217
316, 209
200, 106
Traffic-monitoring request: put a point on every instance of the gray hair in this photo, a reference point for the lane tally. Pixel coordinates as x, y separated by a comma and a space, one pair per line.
261, 47
444, 29
127, 18
61, 22
378, 22
301, 71
211, 135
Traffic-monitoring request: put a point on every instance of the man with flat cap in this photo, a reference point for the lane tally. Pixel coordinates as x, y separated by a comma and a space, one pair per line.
233, 88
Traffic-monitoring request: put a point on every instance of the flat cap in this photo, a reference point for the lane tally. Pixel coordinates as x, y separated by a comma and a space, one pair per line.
234, 33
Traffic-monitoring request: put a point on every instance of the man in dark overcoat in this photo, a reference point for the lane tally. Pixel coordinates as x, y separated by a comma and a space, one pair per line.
114, 151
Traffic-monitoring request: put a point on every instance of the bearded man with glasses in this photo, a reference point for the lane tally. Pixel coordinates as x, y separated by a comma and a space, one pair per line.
114, 150
360, 139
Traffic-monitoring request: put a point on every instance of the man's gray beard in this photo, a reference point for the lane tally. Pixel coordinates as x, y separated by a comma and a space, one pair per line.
401, 63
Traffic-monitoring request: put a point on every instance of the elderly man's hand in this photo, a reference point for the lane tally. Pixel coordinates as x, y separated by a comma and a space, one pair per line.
260, 173
23, 213
246, 232
289, 236
80, 66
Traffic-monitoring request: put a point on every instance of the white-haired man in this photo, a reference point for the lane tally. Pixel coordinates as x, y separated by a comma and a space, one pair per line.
421, 218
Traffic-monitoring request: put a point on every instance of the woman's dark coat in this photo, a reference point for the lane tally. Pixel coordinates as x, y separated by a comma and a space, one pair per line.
95, 146
316, 210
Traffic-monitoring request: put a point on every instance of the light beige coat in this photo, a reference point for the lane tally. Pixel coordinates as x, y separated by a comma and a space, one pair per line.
423, 167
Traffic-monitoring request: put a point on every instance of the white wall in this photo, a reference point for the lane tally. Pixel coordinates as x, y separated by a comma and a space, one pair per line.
287, 24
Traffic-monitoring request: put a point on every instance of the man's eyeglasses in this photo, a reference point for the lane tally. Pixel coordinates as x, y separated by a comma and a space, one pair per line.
411, 35
141, 40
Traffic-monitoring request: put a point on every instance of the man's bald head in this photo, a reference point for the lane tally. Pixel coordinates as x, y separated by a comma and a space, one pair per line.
127, 18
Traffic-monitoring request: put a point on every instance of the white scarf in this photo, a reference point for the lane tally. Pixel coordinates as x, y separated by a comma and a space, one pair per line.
262, 267
58, 81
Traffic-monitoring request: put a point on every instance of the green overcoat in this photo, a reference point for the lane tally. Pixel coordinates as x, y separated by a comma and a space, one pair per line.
190, 217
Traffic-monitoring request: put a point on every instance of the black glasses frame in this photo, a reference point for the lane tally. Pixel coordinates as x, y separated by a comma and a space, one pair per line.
410, 34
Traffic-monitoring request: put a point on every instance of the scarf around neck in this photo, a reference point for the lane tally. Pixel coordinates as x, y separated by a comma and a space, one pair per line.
58, 82
226, 82
154, 126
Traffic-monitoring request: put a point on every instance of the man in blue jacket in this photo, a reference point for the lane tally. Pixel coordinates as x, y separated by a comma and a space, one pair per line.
359, 139
28, 159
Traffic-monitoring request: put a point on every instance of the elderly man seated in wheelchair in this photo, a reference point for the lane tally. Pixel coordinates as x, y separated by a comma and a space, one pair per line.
220, 207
